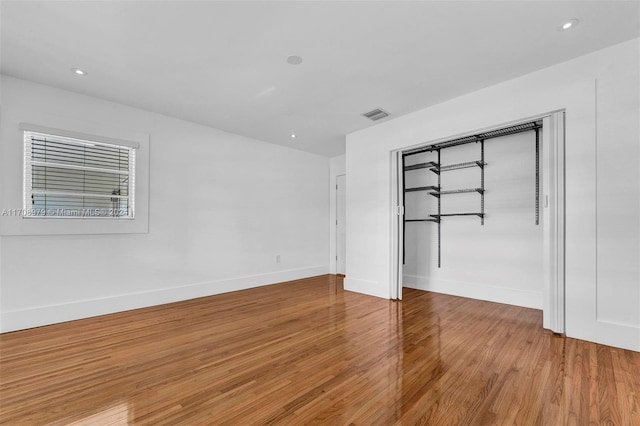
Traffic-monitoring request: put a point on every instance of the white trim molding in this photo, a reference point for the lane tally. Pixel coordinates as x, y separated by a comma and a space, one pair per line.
51, 314
371, 288
509, 296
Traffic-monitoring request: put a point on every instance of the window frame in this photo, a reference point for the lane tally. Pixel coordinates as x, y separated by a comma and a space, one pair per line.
12, 171
57, 135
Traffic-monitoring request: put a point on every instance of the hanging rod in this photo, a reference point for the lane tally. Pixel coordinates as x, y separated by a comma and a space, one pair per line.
511, 130
458, 166
457, 191
437, 216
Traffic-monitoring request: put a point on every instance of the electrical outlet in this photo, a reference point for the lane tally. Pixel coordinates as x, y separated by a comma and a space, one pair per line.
277, 258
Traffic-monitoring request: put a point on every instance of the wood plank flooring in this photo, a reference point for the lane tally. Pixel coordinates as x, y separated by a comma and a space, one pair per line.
307, 352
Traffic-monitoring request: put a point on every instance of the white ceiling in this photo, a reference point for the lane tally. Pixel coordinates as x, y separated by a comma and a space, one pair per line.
223, 64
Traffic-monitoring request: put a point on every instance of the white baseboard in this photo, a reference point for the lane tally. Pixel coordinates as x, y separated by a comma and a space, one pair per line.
618, 335
371, 288
52, 314
509, 296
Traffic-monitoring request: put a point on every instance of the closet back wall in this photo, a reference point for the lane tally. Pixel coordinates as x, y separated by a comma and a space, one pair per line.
501, 261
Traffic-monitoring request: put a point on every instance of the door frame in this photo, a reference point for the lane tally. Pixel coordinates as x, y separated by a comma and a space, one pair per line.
552, 203
397, 225
553, 218
337, 242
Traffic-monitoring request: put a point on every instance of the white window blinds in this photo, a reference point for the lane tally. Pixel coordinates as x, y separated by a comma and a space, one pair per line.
68, 177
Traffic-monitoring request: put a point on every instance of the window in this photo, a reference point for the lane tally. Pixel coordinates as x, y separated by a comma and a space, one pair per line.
67, 177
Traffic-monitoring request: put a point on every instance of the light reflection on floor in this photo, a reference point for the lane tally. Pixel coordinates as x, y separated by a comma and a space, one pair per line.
115, 415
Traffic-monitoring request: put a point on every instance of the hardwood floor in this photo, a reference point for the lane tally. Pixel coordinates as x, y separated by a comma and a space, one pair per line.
306, 352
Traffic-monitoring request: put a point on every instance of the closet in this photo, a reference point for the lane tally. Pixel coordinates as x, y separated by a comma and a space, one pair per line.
428, 174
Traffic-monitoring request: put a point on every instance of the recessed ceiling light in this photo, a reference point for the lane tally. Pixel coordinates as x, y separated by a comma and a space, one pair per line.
569, 24
293, 135
78, 71
294, 60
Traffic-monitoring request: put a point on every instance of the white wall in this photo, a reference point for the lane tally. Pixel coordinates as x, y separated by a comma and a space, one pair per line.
336, 168
500, 261
600, 93
222, 207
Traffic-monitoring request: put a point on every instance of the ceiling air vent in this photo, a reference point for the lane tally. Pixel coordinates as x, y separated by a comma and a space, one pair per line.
376, 114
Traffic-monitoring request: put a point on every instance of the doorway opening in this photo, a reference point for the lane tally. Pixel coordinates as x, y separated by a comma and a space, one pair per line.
425, 213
